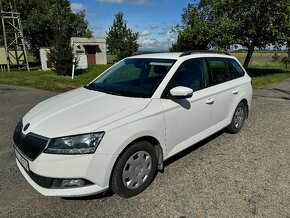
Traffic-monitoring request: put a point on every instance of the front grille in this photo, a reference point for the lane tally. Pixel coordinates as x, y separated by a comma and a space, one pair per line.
18, 133
31, 145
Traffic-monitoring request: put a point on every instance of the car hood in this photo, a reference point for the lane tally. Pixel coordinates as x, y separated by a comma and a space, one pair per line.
80, 111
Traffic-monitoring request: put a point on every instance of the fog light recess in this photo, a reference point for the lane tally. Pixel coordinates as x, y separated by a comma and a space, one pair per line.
69, 183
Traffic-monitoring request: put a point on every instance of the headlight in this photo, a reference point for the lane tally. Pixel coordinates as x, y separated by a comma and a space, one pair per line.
79, 144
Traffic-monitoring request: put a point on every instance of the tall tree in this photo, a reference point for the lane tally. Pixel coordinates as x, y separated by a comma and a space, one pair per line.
61, 54
38, 21
121, 40
288, 38
221, 23
256, 23
201, 29
193, 33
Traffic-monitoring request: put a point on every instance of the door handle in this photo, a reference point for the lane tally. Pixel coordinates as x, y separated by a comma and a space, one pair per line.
235, 91
210, 101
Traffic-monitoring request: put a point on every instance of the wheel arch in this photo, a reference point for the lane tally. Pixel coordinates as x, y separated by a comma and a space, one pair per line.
245, 102
156, 145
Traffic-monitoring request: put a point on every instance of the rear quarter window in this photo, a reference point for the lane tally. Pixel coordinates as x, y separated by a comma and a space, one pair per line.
235, 69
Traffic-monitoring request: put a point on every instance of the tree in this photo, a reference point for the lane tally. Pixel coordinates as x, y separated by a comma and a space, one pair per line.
38, 19
288, 38
201, 29
121, 40
193, 34
61, 54
256, 23
252, 24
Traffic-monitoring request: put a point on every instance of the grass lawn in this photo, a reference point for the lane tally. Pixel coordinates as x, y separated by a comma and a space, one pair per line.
263, 70
49, 80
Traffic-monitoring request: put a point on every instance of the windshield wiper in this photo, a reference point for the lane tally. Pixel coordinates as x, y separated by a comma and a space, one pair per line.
109, 92
91, 87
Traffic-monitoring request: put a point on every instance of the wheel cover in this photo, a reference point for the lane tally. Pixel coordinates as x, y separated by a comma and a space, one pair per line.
137, 169
239, 117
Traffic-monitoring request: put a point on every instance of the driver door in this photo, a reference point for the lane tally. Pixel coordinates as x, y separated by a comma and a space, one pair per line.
186, 120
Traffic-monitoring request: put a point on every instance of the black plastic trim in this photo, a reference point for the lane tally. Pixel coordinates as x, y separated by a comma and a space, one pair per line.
203, 51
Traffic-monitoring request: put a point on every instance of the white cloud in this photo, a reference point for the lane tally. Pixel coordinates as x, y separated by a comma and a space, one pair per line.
99, 26
154, 26
145, 33
167, 30
139, 2
76, 7
155, 44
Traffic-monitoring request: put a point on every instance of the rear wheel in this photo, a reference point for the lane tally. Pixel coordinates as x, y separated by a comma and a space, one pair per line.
238, 118
135, 170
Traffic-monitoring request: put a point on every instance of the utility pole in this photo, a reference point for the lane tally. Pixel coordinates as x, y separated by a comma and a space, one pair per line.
15, 49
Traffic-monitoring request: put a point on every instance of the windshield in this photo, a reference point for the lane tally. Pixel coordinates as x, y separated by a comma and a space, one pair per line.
133, 77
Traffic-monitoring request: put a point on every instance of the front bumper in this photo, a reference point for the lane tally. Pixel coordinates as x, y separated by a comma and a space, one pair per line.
95, 168
67, 192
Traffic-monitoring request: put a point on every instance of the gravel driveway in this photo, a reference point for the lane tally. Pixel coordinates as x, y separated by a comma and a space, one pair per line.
242, 175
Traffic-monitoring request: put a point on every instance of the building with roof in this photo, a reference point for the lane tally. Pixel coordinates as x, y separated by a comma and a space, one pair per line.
88, 51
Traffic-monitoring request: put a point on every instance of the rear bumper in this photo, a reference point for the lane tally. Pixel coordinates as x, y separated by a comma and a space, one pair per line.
66, 192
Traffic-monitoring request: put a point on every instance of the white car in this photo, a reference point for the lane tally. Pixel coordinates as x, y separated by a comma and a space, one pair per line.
117, 131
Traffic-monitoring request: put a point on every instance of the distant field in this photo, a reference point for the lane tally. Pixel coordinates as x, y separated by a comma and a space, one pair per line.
263, 59
265, 68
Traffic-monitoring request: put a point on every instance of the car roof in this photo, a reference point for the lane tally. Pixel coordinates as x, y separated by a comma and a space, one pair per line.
179, 55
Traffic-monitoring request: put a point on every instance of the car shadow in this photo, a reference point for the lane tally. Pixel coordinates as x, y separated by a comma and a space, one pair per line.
106, 194
281, 90
192, 148
255, 72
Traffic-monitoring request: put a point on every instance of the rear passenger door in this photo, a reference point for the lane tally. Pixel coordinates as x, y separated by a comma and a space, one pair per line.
226, 89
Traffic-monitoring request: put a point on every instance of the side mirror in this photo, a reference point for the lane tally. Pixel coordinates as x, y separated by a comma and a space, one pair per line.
181, 92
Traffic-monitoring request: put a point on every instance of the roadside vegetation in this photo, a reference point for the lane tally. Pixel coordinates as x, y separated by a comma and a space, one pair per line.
50, 80
205, 25
265, 68
120, 39
214, 24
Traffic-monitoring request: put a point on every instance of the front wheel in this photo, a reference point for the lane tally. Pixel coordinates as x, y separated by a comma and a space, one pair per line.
135, 170
238, 119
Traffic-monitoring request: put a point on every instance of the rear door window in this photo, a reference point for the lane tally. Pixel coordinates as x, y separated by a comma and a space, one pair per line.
219, 70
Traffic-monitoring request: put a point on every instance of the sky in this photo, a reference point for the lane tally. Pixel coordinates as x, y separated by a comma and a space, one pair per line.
153, 19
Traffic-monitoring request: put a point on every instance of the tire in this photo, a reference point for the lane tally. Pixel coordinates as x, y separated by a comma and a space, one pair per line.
238, 119
135, 170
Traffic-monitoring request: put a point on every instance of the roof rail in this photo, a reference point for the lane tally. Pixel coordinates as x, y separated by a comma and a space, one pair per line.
204, 51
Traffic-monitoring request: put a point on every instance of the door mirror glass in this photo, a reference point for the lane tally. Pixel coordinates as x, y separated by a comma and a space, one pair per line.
181, 92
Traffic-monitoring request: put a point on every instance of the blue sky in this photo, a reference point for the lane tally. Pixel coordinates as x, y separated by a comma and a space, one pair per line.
153, 19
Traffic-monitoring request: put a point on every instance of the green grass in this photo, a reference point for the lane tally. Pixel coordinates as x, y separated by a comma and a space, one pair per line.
49, 80
268, 75
262, 81
263, 70
262, 58
111, 58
